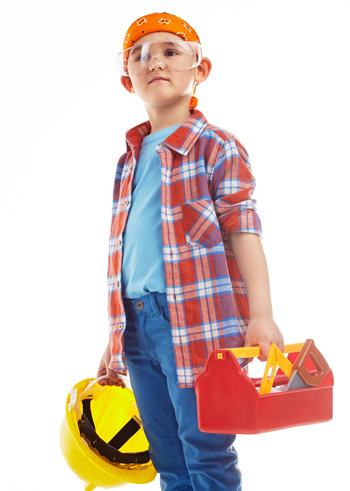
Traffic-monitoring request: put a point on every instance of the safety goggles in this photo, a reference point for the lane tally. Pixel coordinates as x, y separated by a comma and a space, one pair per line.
173, 55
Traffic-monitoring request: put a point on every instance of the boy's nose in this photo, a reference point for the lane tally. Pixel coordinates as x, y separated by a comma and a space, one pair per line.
156, 62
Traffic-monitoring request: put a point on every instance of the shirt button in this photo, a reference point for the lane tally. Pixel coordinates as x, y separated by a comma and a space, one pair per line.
119, 243
120, 327
117, 284
126, 202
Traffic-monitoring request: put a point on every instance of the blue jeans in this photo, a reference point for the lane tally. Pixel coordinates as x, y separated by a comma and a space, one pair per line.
185, 458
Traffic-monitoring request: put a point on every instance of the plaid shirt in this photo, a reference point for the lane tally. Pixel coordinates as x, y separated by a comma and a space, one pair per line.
206, 187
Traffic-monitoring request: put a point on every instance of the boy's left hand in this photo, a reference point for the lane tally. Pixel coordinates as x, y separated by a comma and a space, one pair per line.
263, 332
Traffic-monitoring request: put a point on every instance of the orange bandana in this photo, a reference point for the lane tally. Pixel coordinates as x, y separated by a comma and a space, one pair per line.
161, 22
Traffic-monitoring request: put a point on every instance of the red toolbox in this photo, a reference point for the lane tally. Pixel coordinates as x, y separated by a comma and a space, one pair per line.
299, 393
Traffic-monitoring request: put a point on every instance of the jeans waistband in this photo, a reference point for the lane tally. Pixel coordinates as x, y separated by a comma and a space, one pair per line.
151, 302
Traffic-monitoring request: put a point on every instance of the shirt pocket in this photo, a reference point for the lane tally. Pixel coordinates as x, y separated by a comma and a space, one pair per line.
201, 224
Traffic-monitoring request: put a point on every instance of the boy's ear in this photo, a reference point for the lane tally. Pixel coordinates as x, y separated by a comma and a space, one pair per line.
203, 70
127, 84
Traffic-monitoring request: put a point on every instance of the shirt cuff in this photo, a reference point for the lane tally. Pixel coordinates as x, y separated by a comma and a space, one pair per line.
241, 221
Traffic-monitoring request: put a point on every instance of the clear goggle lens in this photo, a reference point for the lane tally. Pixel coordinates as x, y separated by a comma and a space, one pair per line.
174, 55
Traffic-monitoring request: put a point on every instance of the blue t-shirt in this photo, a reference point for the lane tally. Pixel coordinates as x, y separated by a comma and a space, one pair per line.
143, 265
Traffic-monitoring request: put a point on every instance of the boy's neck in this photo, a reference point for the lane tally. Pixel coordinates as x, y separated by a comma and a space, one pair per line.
161, 118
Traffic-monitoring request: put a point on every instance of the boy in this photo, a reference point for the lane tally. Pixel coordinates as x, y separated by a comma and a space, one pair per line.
185, 255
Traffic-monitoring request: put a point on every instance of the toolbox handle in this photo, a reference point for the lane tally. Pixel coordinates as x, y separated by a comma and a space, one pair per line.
253, 351
309, 350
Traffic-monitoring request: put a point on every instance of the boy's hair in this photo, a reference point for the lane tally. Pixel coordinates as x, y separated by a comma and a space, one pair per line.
161, 22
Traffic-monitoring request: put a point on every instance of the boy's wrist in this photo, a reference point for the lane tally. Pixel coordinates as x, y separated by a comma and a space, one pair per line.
260, 307
261, 316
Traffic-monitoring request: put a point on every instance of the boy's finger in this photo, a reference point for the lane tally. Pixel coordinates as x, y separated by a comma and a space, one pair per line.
264, 349
113, 378
100, 373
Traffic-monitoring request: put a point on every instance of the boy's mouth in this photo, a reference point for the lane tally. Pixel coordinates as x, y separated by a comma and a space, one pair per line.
154, 79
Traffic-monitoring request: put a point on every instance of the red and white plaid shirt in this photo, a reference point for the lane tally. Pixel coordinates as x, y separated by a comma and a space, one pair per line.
206, 189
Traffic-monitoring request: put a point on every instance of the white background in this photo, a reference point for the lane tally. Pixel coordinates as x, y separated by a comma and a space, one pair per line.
279, 82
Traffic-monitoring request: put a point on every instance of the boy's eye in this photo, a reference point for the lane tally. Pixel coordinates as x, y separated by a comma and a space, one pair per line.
145, 56
171, 52
141, 57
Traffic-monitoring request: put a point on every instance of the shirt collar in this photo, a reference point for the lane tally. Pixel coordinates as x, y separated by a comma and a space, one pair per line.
181, 141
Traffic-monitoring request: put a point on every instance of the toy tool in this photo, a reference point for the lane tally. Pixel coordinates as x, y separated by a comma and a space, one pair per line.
301, 377
295, 390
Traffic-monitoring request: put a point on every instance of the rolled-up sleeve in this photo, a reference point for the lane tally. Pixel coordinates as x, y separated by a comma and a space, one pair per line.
235, 184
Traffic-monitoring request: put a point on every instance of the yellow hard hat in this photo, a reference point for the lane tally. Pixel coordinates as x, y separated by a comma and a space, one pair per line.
102, 438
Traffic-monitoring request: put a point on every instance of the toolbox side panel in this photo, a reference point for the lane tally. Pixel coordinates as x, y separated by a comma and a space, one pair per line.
295, 408
226, 398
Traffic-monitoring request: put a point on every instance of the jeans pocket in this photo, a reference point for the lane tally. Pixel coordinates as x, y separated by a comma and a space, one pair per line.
164, 312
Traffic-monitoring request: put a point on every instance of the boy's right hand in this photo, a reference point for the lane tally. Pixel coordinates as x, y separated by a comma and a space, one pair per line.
112, 376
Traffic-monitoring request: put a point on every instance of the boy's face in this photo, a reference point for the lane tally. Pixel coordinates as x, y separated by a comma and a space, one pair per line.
158, 86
